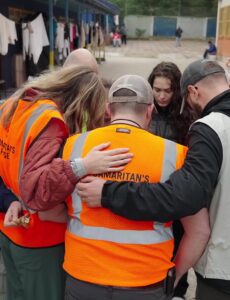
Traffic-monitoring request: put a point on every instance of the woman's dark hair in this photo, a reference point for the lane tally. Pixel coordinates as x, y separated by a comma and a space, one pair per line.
180, 122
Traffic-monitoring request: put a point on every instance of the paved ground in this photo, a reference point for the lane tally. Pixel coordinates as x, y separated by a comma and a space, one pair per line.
139, 57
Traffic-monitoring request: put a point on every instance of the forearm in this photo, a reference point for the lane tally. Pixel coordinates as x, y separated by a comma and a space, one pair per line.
193, 243
185, 193
188, 255
44, 187
160, 202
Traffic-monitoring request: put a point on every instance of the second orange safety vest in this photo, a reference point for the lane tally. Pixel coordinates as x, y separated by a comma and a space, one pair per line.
27, 123
103, 248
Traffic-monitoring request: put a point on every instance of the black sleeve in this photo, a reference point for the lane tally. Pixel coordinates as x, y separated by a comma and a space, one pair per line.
6, 197
186, 192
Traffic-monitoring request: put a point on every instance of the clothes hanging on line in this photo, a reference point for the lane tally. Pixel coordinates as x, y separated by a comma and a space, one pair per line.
34, 38
8, 34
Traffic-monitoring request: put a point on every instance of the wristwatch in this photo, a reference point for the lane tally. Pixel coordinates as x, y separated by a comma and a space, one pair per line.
78, 167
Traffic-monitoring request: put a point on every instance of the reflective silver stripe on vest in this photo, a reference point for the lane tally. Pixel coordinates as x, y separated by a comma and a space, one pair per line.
4, 106
32, 119
169, 162
1, 109
159, 234
77, 152
140, 237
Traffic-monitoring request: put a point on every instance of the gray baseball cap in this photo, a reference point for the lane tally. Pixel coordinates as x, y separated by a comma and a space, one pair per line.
198, 70
195, 72
137, 84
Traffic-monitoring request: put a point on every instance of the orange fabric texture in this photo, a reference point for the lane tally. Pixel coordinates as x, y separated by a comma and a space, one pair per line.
11, 138
28, 121
39, 234
112, 263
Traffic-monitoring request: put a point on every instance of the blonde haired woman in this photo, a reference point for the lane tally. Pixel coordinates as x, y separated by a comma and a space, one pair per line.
34, 125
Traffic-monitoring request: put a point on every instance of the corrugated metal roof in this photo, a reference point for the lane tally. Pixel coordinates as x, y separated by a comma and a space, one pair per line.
99, 6
108, 6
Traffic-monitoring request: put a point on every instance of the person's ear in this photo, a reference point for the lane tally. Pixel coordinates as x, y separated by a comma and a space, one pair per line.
190, 88
150, 110
193, 91
108, 110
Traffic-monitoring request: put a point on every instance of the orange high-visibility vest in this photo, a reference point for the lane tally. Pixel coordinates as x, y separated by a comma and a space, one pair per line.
28, 121
104, 248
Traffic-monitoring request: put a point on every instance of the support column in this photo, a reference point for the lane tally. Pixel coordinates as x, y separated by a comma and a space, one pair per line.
51, 35
218, 22
107, 24
67, 11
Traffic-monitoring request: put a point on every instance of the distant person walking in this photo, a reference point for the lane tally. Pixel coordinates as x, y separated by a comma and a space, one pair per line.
210, 50
178, 34
123, 32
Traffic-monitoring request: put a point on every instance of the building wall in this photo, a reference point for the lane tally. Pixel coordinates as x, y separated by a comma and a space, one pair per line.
223, 39
139, 22
7, 63
211, 27
8, 60
195, 28
164, 26
225, 3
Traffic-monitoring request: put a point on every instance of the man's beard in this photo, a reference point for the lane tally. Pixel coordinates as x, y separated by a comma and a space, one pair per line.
197, 110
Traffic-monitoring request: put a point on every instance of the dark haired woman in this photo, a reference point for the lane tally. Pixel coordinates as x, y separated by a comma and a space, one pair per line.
168, 123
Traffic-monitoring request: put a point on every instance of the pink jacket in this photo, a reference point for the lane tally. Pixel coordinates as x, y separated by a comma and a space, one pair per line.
47, 180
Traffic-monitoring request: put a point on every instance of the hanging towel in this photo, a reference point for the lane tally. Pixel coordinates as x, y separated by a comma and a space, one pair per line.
8, 34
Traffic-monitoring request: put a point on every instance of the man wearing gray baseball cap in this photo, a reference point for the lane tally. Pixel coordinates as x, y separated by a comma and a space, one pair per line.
197, 71
203, 181
110, 257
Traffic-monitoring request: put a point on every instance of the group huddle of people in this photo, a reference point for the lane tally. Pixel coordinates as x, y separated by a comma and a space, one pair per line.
119, 210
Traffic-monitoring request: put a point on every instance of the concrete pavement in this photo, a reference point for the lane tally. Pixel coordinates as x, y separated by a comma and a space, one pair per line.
139, 57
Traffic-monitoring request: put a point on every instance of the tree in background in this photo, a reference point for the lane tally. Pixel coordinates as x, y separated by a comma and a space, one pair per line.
187, 8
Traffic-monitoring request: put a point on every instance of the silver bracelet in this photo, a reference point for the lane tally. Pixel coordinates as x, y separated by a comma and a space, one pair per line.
78, 167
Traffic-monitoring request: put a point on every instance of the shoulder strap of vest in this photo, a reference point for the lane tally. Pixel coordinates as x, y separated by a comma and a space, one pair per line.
79, 145
215, 120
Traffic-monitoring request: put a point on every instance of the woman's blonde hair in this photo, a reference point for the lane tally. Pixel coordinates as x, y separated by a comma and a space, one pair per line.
77, 91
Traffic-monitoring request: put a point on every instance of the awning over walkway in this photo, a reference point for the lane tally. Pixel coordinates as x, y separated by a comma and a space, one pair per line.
105, 6
97, 6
